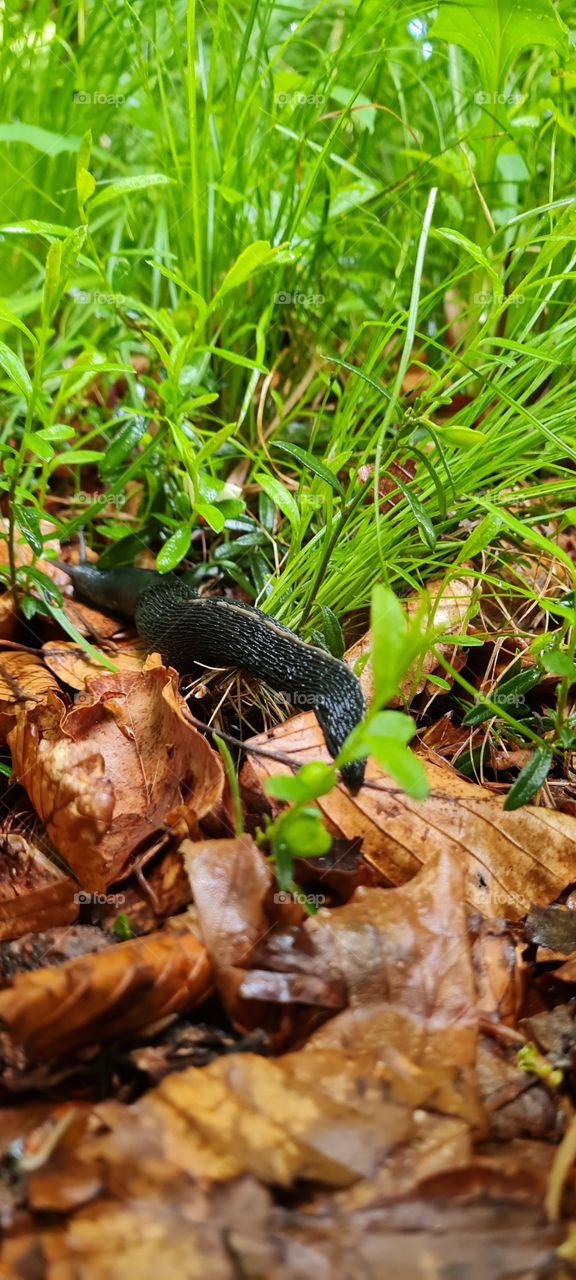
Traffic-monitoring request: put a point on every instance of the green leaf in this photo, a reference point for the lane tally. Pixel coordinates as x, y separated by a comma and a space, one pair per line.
52, 280
420, 514
509, 695
313, 463
9, 318
174, 550
16, 370
29, 523
254, 258
85, 183
126, 187
212, 515
126, 440
480, 537
84, 152
70, 250
390, 724
402, 765
559, 664
39, 445
300, 834
530, 779
214, 442
59, 431
122, 928
333, 634
312, 780
494, 32
85, 186
468, 246
233, 357
389, 630
34, 227
280, 495
51, 144
171, 274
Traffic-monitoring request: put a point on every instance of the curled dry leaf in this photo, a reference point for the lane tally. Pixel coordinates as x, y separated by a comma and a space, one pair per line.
109, 773
90, 621
75, 668
498, 972
512, 859
34, 893
232, 883
448, 607
24, 681
106, 995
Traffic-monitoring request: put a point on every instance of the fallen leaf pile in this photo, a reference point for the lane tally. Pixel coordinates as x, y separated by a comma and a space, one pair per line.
198, 1078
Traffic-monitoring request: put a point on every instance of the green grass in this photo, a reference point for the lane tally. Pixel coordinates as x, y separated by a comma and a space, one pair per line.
251, 217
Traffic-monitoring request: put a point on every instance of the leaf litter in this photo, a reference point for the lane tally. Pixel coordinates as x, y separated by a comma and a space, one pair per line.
197, 1076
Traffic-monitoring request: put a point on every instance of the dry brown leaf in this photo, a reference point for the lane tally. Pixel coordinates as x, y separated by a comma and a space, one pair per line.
110, 772
89, 620
107, 995
34, 893
300, 1116
232, 887
512, 859
405, 957
224, 1232
202, 1231
23, 680
498, 972
387, 481
231, 881
75, 668
447, 610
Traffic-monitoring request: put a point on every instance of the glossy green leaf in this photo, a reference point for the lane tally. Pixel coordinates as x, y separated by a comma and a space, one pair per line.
253, 259
313, 463
15, 369
389, 628
174, 550
280, 495
127, 187
333, 634
312, 780
530, 779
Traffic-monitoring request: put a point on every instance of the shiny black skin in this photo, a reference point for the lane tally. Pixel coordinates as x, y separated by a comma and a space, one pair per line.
184, 628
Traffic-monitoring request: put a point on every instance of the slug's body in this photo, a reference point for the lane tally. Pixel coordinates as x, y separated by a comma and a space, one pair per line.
184, 627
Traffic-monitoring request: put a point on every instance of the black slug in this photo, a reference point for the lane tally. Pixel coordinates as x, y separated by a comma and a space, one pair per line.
184, 627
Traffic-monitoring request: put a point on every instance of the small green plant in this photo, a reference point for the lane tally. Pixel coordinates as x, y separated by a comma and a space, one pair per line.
122, 928
552, 732
299, 831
